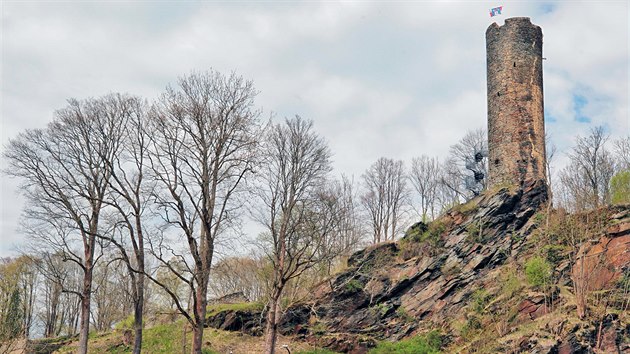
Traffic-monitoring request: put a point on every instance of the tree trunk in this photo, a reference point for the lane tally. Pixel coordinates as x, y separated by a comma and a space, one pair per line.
86, 296
138, 289
51, 320
197, 338
137, 313
272, 325
200, 309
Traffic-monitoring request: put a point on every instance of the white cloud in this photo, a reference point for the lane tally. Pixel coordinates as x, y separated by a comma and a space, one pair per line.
586, 46
379, 79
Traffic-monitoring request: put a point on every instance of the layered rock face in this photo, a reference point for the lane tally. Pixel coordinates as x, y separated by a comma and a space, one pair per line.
604, 258
383, 296
389, 289
451, 270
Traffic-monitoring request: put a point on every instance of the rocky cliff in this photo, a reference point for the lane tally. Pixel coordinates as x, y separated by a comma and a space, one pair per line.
463, 274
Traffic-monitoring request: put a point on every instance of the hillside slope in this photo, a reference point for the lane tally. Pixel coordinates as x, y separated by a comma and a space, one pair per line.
464, 275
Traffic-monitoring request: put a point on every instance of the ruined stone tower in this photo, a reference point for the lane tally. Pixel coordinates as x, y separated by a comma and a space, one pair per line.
516, 128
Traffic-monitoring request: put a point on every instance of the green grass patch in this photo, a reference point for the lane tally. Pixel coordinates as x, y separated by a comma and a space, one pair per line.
125, 323
431, 234
421, 239
467, 207
165, 338
429, 343
314, 351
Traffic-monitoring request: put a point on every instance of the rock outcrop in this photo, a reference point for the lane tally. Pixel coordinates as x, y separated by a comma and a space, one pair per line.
443, 273
392, 290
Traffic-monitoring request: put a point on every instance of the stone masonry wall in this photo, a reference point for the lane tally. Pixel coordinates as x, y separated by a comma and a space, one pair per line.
516, 128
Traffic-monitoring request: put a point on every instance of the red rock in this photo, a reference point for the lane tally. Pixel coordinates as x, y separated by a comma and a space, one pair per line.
532, 308
619, 229
602, 262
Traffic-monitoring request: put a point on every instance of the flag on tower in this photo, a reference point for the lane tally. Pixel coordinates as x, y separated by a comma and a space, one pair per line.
496, 11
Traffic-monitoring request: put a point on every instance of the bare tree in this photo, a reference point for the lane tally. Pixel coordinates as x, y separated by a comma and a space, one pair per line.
449, 192
203, 141
385, 197
349, 231
129, 196
112, 298
425, 178
551, 152
466, 165
622, 153
65, 177
239, 274
297, 214
60, 306
28, 290
585, 180
574, 232
51, 293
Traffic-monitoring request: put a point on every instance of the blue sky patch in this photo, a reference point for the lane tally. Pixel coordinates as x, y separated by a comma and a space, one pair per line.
547, 7
579, 102
549, 118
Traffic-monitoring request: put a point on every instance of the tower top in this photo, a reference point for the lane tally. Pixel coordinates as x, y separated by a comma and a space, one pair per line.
515, 25
514, 21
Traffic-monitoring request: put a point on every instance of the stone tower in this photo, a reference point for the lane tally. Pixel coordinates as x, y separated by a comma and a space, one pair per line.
516, 127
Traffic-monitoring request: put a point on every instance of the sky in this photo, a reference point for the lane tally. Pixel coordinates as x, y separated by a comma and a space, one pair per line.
379, 78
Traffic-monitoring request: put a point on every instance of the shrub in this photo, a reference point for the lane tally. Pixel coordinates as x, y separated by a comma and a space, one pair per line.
125, 323
620, 188
475, 233
537, 272
479, 301
353, 286
410, 249
382, 309
554, 254
424, 344
422, 239
539, 217
432, 234
402, 314
470, 328
319, 328
511, 283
